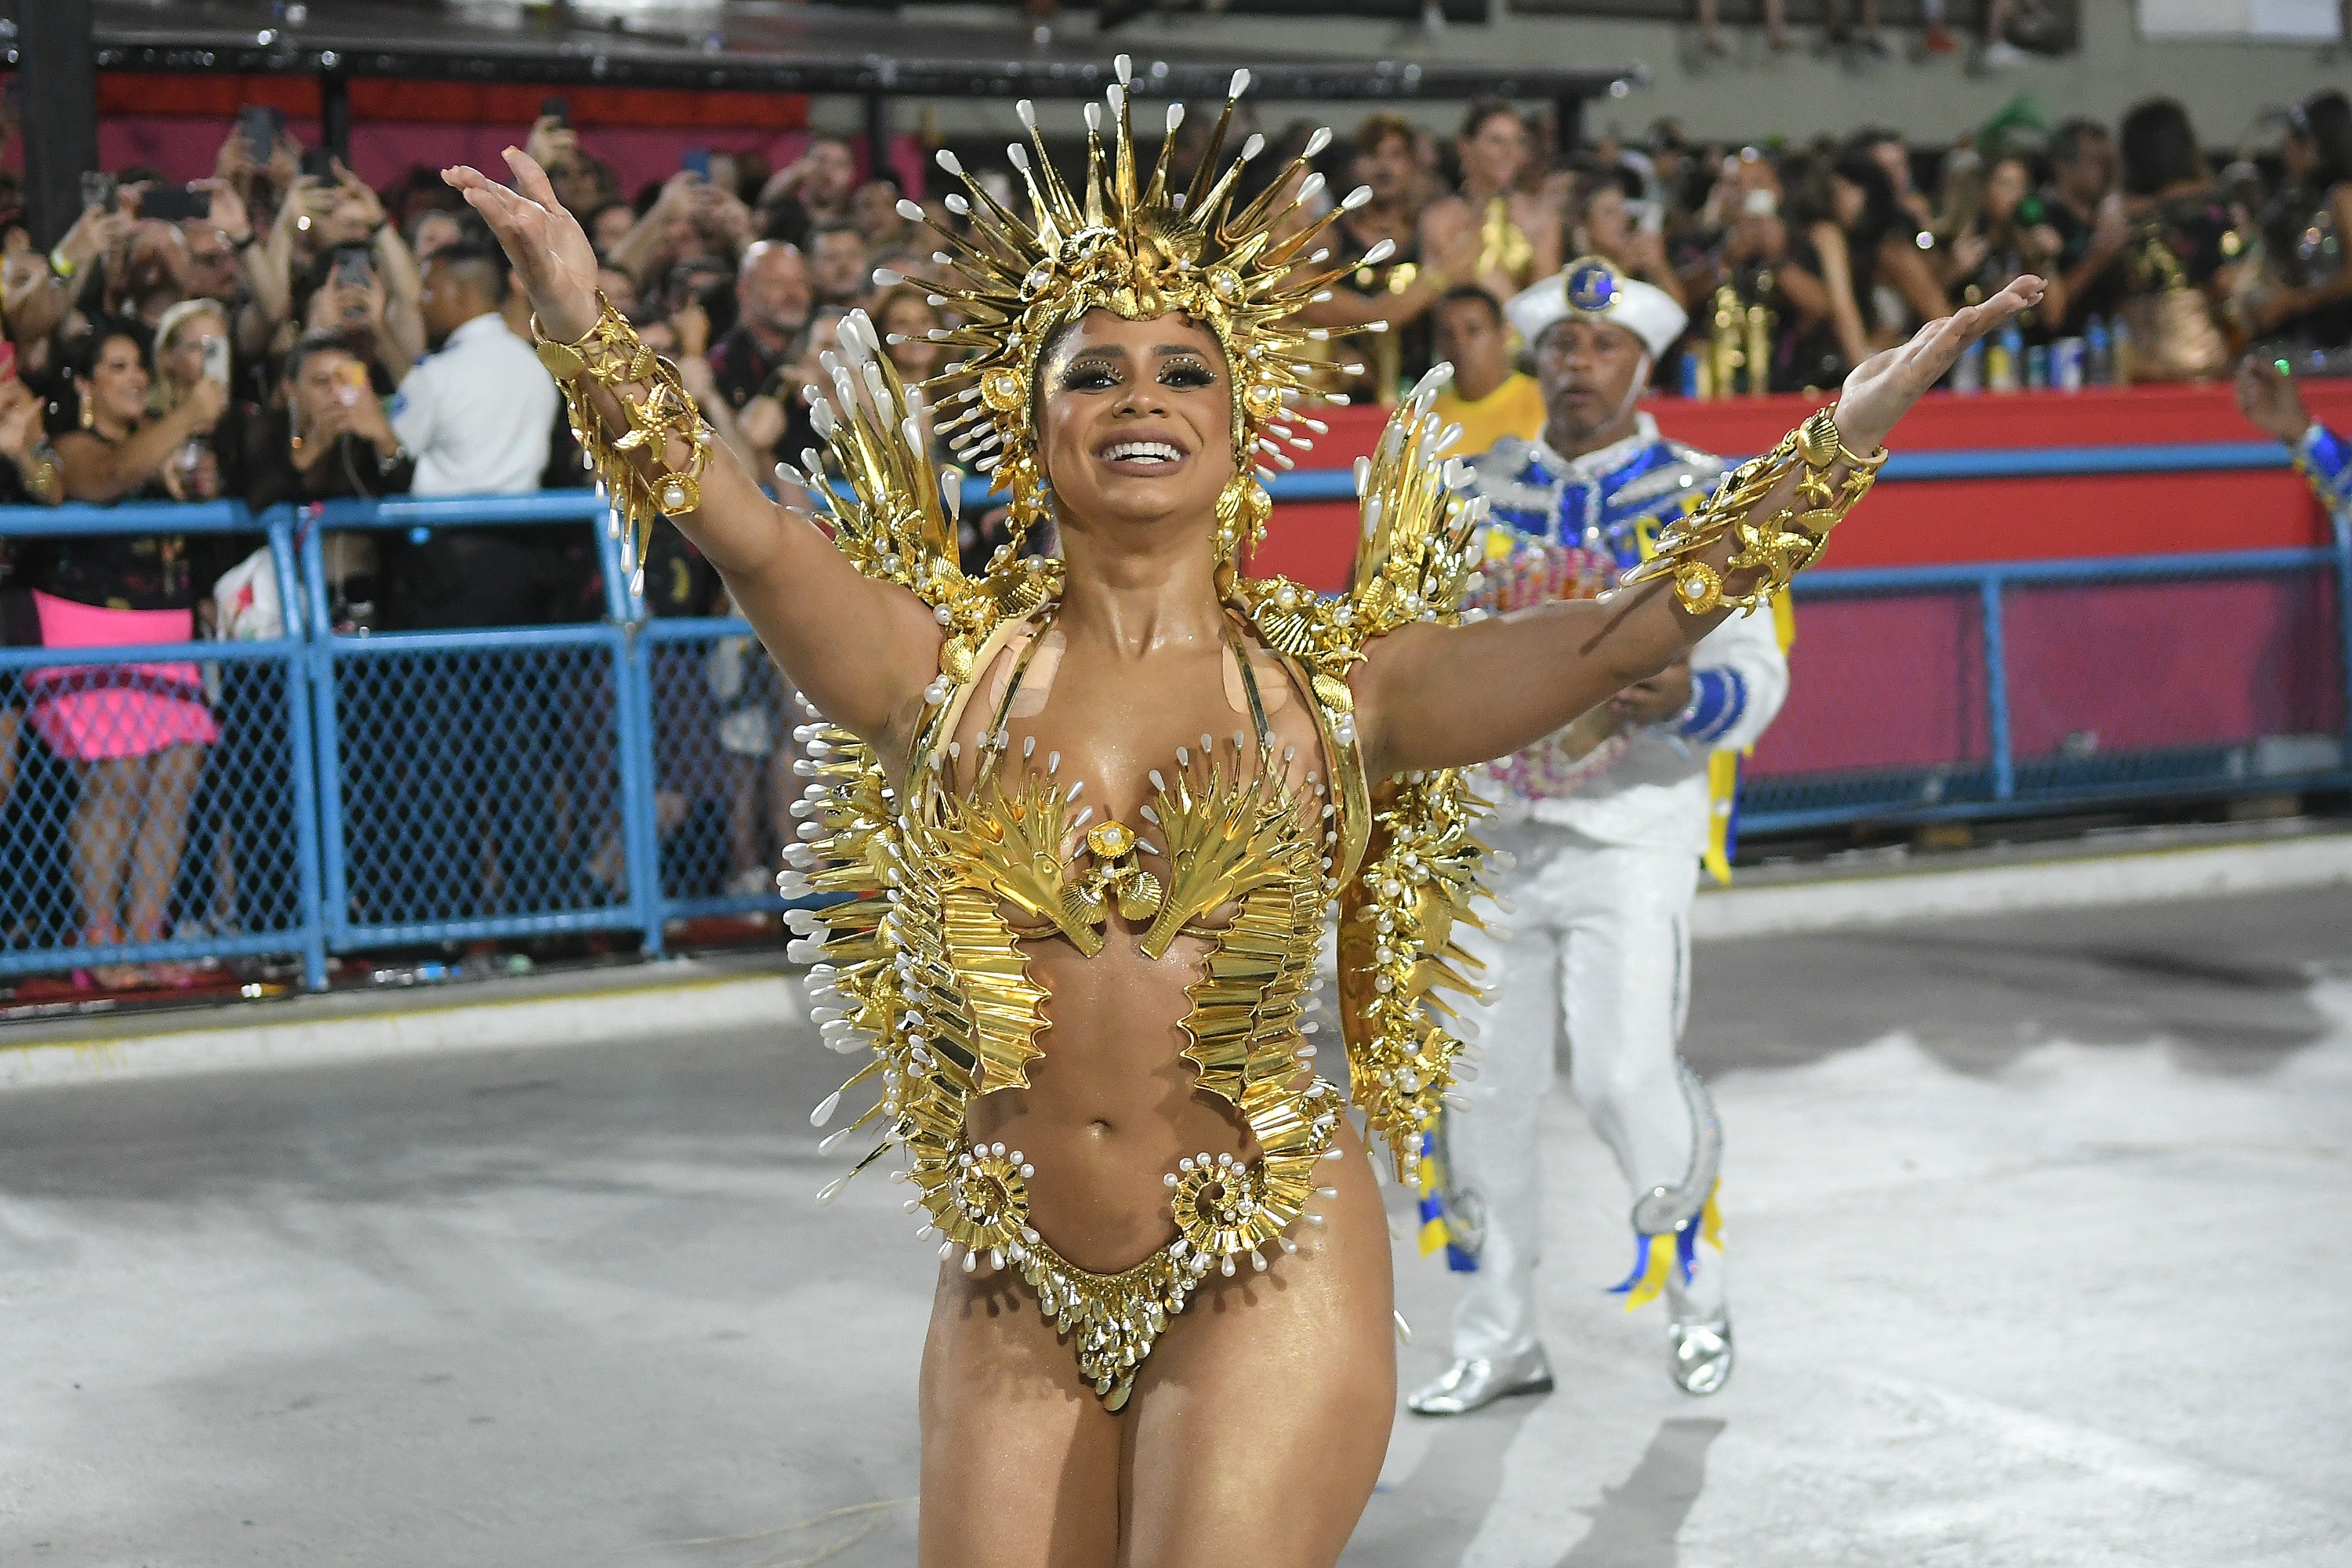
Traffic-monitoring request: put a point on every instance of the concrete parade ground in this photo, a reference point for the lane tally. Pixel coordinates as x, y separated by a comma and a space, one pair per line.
2038, 1231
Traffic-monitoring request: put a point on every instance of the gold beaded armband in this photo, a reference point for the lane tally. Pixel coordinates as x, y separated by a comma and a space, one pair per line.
658, 409
1776, 548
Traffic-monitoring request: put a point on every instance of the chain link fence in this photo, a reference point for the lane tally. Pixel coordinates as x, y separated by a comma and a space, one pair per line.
722, 724
156, 799
1947, 692
325, 792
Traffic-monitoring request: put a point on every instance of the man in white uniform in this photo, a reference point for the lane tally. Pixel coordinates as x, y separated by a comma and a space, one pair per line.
1607, 823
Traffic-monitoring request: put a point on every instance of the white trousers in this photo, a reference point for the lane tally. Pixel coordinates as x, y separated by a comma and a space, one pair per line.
1598, 955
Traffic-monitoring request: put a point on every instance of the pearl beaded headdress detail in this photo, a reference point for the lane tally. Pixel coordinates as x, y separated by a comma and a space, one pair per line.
1141, 248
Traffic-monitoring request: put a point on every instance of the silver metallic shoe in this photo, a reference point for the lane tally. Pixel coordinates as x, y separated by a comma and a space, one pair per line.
1699, 1354
1468, 1384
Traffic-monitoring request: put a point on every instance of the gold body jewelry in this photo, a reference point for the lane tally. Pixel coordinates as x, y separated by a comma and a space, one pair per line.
919, 966
657, 407
1775, 548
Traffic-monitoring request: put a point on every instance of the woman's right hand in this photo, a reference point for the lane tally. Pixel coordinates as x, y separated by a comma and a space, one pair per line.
549, 250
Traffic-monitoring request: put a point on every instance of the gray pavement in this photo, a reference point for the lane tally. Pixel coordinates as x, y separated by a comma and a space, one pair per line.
2037, 1232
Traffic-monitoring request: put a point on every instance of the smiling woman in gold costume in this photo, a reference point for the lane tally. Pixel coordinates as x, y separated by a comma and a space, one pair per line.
1094, 810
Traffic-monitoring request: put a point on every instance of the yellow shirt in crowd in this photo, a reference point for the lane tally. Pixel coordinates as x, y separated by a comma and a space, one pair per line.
1513, 408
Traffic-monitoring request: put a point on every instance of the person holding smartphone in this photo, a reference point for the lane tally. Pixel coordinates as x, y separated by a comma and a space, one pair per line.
192, 348
329, 210
330, 440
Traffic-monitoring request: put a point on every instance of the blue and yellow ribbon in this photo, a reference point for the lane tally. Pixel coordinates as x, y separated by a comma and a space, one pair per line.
1435, 1232
1647, 1282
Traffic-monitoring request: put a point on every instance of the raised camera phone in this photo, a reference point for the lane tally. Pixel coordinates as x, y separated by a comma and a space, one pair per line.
217, 359
556, 108
98, 190
318, 163
697, 161
350, 383
261, 126
353, 268
174, 204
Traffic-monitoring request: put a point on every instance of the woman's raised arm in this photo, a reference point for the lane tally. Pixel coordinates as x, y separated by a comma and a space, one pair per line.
1431, 695
862, 650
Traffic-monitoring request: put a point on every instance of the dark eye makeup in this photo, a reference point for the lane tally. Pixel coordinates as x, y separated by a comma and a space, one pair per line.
1099, 373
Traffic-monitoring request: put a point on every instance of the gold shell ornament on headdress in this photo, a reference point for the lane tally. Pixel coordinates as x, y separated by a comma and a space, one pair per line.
1134, 245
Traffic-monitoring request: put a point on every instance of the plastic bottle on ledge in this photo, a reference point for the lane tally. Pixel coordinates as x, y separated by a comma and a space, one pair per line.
2001, 365
2119, 360
1968, 372
2099, 354
2037, 368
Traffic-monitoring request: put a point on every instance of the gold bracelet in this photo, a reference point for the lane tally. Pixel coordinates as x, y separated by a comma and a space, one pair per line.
610, 354
1777, 548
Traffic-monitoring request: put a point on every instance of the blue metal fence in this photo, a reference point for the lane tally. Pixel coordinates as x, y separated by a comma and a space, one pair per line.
378, 790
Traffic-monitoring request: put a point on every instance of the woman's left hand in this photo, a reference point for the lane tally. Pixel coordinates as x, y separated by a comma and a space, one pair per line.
1884, 386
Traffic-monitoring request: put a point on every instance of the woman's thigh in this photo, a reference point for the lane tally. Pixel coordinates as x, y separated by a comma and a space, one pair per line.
1258, 1425
1021, 1462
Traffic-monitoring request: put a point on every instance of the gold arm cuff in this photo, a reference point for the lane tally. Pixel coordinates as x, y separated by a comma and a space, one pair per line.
1775, 548
656, 404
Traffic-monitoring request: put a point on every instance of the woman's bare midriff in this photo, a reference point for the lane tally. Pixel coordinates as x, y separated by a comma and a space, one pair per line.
1110, 1107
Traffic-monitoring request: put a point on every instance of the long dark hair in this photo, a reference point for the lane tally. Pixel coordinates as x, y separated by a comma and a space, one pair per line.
2325, 122
1881, 214
2160, 148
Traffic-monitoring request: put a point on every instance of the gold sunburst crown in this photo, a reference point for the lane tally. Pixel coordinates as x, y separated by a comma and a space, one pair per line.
1139, 247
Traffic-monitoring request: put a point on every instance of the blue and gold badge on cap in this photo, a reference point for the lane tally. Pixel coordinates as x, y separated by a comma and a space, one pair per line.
1592, 285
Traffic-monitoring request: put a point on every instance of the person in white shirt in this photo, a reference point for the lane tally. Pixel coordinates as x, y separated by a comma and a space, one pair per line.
478, 413
1607, 822
478, 410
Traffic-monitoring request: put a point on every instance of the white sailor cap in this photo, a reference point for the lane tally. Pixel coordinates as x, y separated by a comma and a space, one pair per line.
1591, 288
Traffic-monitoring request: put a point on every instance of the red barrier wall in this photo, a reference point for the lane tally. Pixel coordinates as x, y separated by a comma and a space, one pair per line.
1962, 519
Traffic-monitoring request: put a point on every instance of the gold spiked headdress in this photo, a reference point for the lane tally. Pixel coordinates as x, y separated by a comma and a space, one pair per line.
1139, 247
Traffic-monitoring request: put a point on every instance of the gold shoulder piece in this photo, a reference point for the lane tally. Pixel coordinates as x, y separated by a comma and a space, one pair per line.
1410, 863
895, 517
1774, 548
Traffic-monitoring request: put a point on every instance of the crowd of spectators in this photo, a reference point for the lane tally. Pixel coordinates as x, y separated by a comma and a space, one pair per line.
280, 332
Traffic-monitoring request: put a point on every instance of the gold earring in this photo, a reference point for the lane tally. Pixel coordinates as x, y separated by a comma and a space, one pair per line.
88, 412
1242, 507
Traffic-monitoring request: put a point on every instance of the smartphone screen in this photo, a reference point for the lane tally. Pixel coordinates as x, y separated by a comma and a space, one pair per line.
351, 267
354, 378
318, 163
556, 108
216, 359
172, 203
260, 125
697, 160
98, 190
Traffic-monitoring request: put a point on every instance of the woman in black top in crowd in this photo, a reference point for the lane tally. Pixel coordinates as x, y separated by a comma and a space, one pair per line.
135, 734
2011, 230
329, 441
2176, 262
1884, 254
2306, 305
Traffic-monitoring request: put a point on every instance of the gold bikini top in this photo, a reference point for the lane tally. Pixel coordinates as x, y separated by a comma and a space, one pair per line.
921, 965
